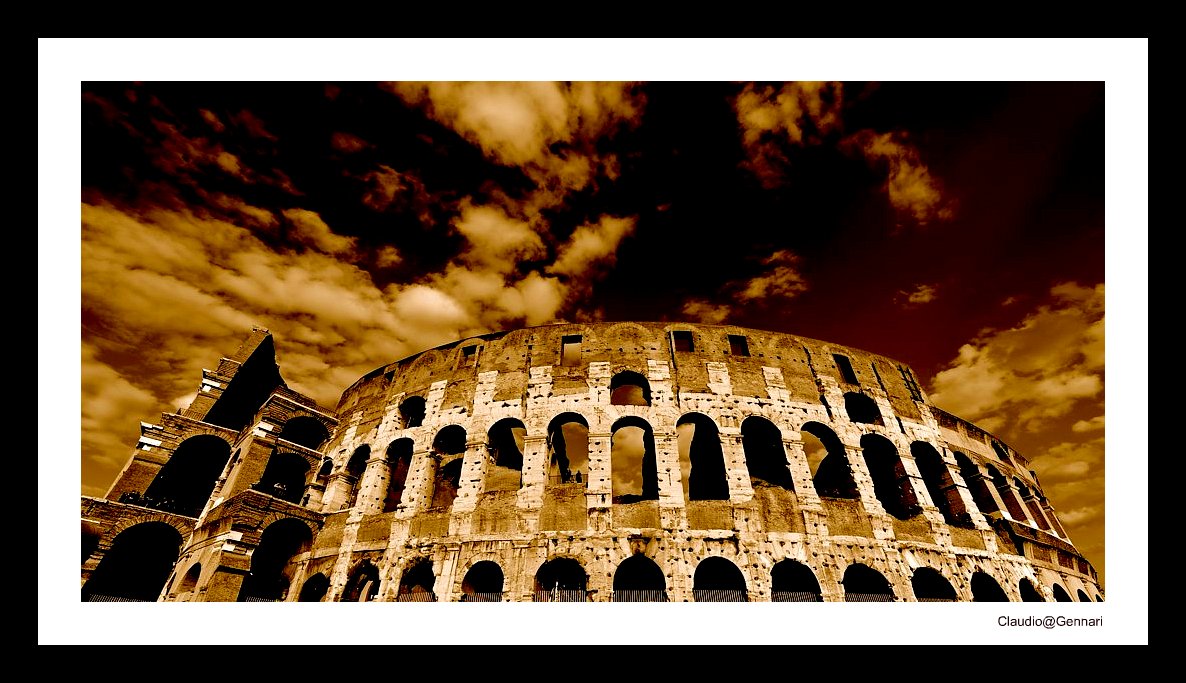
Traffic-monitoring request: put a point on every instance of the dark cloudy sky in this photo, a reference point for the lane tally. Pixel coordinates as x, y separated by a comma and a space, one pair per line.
958, 227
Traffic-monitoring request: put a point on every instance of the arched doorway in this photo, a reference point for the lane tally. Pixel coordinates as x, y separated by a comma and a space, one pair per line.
137, 565
1028, 592
830, 472
505, 444
891, 484
986, 589
416, 584
399, 463
639, 579
482, 583
765, 456
931, 586
363, 584
632, 461
560, 580
718, 580
791, 581
865, 584
1060, 594
271, 563
305, 431
315, 588
702, 462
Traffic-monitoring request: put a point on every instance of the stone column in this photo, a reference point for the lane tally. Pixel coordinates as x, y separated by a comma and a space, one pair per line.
736, 469
372, 488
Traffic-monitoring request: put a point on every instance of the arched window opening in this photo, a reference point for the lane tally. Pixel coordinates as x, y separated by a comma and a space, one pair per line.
185, 482
1060, 594
399, 463
986, 589
1028, 592
865, 584
765, 456
1007, 494
363, 584
633, 462
931, 586
560, 580
417, 583
190, 581
327, 467
1082, 596
1031, 502
792, 581
861, 408
272, 560
92, 533
639, 579
939, 483
315, 588
355, 467
891, 484
137, 565
482, 583
977, 484
702, 462
1099, 598
505, 440
629, 389
830, 471
449, 449
718, 580
284, 477
305, 431
411, 412
568, 449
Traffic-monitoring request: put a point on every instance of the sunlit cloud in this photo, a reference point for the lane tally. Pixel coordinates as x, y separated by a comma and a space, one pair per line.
704, 311
921, 294
909, 184
794, 113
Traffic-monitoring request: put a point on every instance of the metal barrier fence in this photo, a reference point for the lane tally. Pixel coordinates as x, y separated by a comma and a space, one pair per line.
934, 599
640, 596
112, 598
561, 595
416, 597
795, 596
481, 597
254, 599
719, 595
868, 597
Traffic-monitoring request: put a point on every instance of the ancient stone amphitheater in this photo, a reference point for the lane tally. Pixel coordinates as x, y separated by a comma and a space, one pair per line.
579, 462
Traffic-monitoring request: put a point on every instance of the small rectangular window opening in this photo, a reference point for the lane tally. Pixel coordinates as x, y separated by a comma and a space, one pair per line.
738, 345
469, 355
570, 350
845, 368
681, 340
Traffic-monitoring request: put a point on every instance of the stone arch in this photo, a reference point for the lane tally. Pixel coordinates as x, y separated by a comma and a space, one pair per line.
765, 455
355, 467
830, 471
568, 449
412, 411
986, 589
399, 462
561, 579
792, 581
185, 482
891, 484
1031, 502
1028, 592
305, 430
284, 476
417, 582
633, 462
1006, 492
363, 583
1082, 595
629, 388
863, 583
977, 484
1060, 593
314, 588
940, 485
189, 582
702, 461
183, 527
448, 448
931, 586
483, 582
136, 566
272, 566
716, 579
92, 535
639, 579
862, 409
505, 441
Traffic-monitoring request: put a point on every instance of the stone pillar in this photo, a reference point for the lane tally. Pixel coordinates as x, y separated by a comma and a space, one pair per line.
800, 472
599, 489
418, 486
338, 491
930, 508
736, 469
672, 512
535, 472
372, 487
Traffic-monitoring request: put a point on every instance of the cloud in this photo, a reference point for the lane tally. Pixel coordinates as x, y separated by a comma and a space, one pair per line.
252, 125
345, 142
921, 294
1094, 424
495, 239
702, 310
771, 118
909, 184
1035, 371
107, 402
782, 279
307, 228
545, 129
591, 245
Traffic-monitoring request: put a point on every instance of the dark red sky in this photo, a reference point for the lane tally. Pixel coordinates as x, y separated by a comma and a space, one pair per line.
958, 227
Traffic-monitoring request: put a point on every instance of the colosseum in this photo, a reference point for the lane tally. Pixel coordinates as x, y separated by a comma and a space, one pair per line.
600, 462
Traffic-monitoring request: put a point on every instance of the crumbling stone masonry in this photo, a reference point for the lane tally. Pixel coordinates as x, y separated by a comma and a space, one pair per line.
579, 462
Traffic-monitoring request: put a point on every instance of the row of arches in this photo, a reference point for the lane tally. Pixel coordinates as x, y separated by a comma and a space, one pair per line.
142, 557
